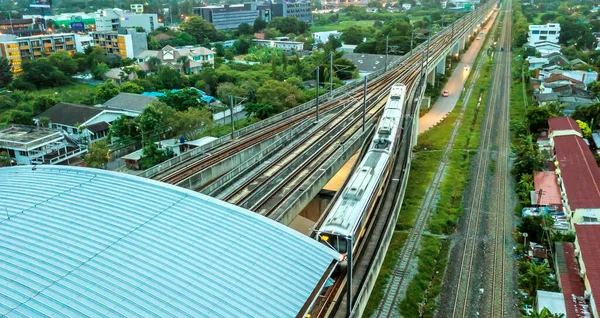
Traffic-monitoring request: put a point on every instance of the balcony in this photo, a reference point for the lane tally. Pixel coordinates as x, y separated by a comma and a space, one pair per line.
47, 45
70, 42
37, 53
24, 47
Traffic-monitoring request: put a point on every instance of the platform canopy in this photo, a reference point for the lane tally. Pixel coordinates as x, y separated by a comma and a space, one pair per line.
78, 242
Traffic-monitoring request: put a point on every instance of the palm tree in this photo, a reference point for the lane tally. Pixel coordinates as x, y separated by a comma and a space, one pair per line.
536, 277
545, 313
154, 62
183, 62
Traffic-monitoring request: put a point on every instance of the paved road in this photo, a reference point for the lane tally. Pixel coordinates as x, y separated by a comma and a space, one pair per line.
455, 84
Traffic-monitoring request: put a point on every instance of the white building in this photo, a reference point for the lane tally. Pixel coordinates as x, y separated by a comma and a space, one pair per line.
406, 6
283, 45
112, 19
536, 62
323, 37
543, 33
371, 10
28, 145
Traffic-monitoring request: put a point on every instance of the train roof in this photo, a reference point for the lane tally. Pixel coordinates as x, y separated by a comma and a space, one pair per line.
79, 242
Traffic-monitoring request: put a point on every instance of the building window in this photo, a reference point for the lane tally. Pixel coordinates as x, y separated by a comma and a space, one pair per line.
589, 219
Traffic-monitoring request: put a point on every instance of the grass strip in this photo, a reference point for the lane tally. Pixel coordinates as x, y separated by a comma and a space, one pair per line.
426, 285
398, 239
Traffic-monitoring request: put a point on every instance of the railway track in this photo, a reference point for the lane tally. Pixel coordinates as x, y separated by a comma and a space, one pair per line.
179, 172
497, 295
461, 304
397, 281
376, 231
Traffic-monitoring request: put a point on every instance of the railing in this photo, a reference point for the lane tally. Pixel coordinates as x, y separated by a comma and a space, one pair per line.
68, 155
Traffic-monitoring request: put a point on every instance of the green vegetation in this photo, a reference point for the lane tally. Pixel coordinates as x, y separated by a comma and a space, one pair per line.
427, 284
398, 239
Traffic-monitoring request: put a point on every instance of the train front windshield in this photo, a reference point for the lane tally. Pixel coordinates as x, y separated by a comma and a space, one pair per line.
338, 243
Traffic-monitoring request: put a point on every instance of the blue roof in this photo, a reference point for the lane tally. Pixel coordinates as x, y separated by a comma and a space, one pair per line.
86, 242
153, 94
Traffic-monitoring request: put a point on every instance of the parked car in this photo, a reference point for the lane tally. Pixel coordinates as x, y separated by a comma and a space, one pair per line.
445, 93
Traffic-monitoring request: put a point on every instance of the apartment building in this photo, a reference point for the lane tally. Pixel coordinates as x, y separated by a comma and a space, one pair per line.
113, 19
299, 9
15, 49
21, 27
127, 44
229, 16
543, 33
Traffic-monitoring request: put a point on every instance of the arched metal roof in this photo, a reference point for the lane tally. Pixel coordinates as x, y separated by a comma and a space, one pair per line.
86, 242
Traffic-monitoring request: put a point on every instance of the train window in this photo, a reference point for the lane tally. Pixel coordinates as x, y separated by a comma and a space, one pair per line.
395, 97
341, 244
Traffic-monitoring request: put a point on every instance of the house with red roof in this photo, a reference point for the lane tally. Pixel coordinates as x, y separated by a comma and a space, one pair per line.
587, 251
571, 284
576, 170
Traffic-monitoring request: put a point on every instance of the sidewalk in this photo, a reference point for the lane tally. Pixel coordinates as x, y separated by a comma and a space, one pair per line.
455, 84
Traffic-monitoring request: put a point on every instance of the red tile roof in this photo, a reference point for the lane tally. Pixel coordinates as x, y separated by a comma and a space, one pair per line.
546, 181
580, 174
563, 123
588, 237
571, 283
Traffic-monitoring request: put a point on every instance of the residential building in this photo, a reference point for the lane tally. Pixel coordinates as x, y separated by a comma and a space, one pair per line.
406, 6
229, 16
371, 10
543, 33
536, 62
28, 145
195, 58
15, 49
69, 118
553, 301
130, 103
587, 250
21, 27
125, 44
283, 45
545, 48
323, 37
546, 182
108, 20
576, 170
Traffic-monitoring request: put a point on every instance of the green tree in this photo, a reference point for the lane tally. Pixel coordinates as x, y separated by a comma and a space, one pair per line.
183, 61
42, 73
545, 313
259, 25
287, 25
199, 28
169, 78
191, 121
261, 111
284, 61
131, 87
343, 68
64, 62
153, 155
538, 117
106, 91
4, 159
184, 38
154, 121
6, 74
352, 35
245, 29
242, 45
182, 100
225, 89
271, 33
153, 63
43, 102
100, 70
585, 129
528, 157
333, 43
97, 156
219, 49
280, 95
123, 130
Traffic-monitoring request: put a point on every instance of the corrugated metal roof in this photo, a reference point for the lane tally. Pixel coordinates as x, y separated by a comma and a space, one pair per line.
87, 242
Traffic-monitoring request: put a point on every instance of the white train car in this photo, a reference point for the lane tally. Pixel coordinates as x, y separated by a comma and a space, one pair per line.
349, 214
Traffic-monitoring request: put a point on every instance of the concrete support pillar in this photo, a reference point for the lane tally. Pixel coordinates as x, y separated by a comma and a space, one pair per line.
431, 77
441, 66
456, 48
464, 41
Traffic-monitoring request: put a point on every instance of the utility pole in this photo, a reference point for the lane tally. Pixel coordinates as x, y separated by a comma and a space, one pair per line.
412, 37
317, 94
387, 37
11, 23
231, 109
331, 74
364, 110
